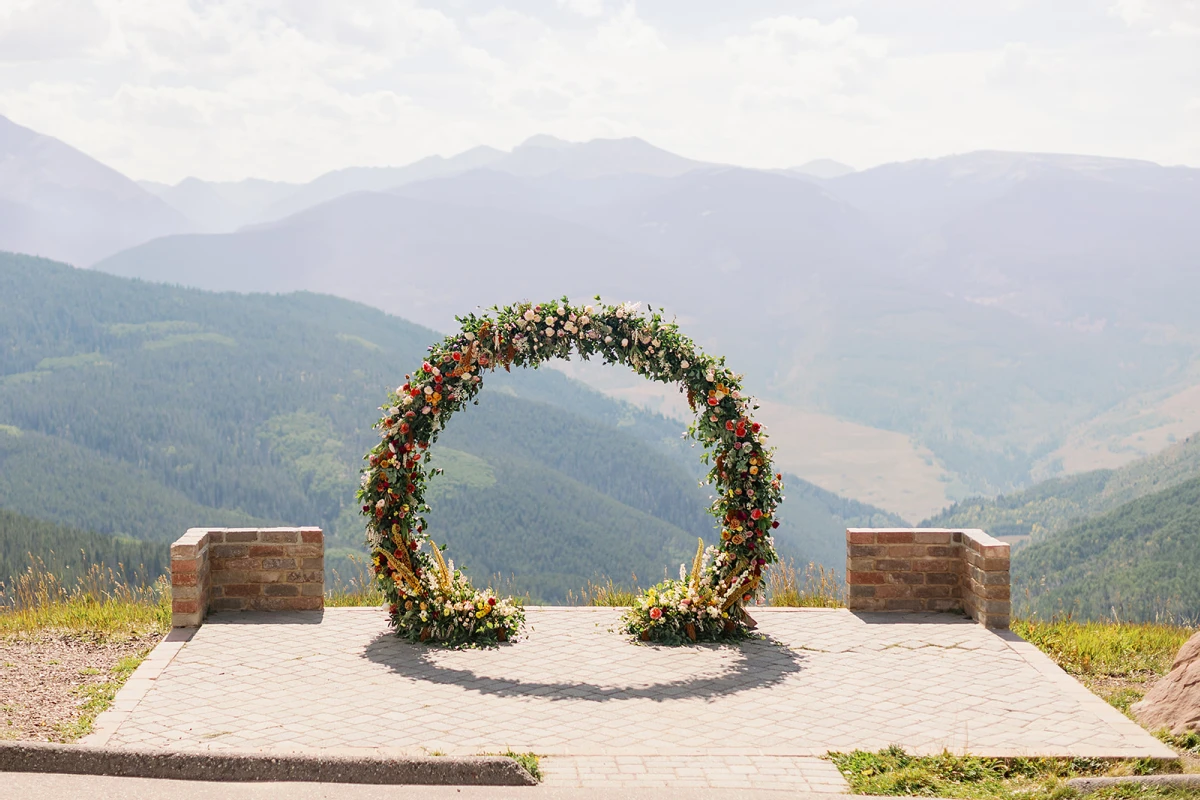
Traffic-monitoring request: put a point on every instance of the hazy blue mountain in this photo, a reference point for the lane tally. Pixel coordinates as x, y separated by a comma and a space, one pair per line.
60, 203
221, 206
1073, 240
341, 182
546, 155
824, 168
800, 288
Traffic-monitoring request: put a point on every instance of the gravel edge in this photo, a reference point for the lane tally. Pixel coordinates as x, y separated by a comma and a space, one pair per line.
258, 767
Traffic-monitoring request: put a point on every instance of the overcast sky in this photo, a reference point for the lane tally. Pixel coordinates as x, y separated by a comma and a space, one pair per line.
287, 89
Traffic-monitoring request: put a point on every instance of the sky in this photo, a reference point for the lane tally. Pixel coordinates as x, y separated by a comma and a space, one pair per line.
289, 89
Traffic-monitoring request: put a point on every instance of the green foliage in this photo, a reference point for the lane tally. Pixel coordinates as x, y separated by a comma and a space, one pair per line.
1139, 562
270, 430
529, 762
69, 552
1105, 648
1054, 505
894, 772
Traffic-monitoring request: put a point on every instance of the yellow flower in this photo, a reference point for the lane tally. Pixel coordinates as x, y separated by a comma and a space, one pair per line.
437, 397
754, 470
725, 535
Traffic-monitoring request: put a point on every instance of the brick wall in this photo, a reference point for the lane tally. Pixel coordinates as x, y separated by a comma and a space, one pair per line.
246, 569
928, 569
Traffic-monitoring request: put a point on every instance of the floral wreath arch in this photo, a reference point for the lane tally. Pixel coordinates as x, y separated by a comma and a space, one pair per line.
429, 600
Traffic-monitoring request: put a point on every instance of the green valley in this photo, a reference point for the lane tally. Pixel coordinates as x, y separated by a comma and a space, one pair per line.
138, 410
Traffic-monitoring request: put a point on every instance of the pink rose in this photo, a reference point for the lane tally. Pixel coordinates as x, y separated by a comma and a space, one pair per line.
655, 613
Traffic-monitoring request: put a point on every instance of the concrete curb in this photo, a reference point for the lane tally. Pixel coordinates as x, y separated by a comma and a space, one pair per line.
258, 767
1086, 785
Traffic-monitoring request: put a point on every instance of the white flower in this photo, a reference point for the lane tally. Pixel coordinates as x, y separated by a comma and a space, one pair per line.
408, 401
549, 331
550, 320
470, 337
529, 315
585, 319
588, 309
428, 390
379, 504
608, 340
624, 343
426, 409
713, 611
683, 365
683, 572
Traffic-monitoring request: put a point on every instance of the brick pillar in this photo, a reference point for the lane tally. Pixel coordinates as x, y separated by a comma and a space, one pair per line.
928, 569
190, 586
246, 569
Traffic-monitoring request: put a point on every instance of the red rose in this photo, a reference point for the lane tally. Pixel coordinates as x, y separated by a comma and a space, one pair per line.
755, 427
491, 601
404, 427
729, 425
775, 524
755, 514
456, 356
712, 401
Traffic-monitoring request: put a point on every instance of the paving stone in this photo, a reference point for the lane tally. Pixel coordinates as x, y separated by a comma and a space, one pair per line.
602, 708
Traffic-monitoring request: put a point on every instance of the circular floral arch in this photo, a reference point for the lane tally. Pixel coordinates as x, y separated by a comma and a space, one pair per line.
429, 600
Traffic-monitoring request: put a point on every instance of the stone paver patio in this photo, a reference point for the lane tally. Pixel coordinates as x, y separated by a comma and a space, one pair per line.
759, 714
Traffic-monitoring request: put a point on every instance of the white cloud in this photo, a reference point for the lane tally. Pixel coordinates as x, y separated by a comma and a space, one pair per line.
291, 88
585, 8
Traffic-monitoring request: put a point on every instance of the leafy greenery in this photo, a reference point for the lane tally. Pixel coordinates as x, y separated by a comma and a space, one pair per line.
894, 772
1054, 505
264, 423
1139, 562
67, 552
529, 762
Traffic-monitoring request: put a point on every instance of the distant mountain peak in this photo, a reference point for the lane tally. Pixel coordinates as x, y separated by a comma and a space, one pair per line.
824, 168
547, 141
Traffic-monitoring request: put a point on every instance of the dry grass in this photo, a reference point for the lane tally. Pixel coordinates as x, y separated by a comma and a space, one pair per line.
605, 593
100, 604
815, 587
356, 589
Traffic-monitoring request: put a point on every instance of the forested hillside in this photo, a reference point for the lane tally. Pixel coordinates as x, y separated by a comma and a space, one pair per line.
68, 552
1054, 505
139, 410
1140, 561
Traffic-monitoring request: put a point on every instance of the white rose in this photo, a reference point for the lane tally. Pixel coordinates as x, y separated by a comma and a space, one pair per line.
428, 390
584, 320
588, 309
683, 365
470, 337
608, 340
550, 320
624, 343
529, 315
549, 331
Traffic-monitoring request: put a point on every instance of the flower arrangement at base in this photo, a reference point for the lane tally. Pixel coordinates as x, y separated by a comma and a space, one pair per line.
431, 601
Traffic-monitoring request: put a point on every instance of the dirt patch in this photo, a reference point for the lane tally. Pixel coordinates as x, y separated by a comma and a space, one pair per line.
52, 686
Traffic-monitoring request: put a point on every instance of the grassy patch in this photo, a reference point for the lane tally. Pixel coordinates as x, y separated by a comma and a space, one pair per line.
815, 587
1113, 659
97, 697
529, 761
894, 772
100, 604
605, 593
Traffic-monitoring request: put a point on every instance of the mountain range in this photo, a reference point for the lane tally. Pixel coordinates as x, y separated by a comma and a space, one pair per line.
135, 410
963, 325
